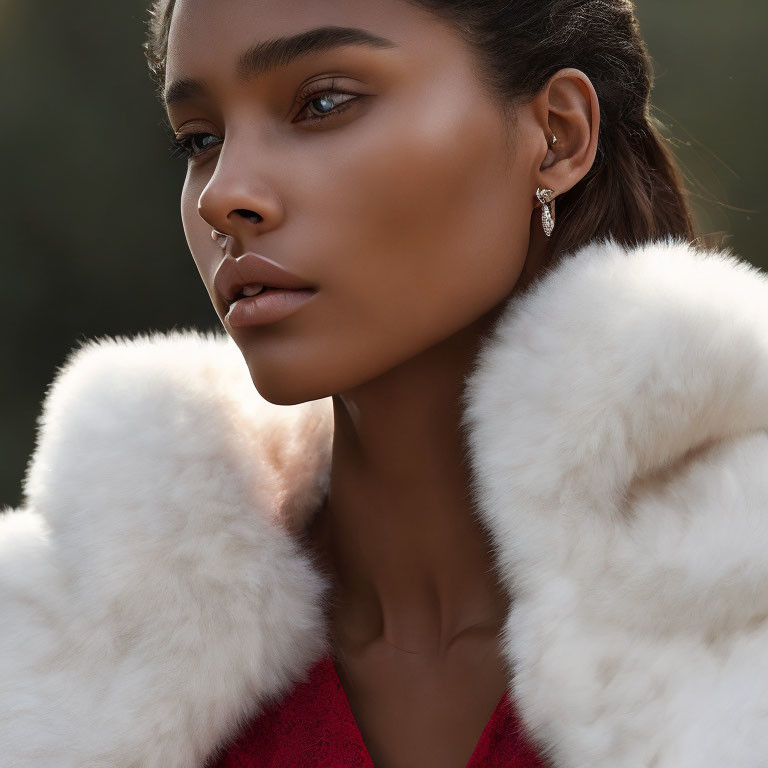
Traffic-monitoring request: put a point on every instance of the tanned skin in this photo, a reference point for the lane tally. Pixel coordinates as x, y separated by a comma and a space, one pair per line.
413, 210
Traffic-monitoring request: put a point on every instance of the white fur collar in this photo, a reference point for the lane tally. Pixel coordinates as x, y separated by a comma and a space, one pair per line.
153, 596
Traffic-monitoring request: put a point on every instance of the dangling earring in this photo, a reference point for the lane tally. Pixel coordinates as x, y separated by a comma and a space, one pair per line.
546, 196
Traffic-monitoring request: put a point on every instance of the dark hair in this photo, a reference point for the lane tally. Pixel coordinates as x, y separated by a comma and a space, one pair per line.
634, 191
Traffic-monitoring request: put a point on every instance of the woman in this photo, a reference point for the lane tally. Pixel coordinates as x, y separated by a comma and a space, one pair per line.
514, 512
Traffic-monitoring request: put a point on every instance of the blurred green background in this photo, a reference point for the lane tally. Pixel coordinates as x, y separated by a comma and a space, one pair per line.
91, 233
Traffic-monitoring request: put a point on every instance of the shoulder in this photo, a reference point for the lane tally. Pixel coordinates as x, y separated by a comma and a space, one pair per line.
125, 416
619, 436
149, 568
647, 349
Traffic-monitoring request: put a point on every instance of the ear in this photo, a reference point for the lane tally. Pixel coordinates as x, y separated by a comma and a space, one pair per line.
567, 107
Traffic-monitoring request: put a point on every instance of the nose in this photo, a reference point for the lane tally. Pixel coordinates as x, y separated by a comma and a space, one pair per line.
238, 200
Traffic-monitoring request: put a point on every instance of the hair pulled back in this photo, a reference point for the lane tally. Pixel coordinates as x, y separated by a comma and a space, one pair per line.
634, 191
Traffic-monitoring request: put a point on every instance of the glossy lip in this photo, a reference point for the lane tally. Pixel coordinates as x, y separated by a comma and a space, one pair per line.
253, 311
233, 274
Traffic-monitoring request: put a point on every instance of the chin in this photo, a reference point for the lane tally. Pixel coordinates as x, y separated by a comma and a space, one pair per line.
284, 385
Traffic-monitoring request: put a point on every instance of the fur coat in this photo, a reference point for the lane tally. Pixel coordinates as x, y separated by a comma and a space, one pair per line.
155, 593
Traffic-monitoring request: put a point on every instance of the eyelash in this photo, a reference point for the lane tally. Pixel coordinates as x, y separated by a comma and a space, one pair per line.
181, 147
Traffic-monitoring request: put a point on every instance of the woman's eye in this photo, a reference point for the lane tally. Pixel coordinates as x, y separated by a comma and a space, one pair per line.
193, 144
325, 105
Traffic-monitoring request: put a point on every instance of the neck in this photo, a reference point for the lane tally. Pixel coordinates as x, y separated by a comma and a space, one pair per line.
410, 563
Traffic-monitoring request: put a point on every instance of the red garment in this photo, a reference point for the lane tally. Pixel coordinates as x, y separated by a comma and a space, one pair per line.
315, 728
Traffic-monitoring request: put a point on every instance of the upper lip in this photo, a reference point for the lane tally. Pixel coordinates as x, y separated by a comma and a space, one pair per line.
233, 274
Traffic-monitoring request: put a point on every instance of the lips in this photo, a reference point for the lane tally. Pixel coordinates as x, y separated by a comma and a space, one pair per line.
253, 272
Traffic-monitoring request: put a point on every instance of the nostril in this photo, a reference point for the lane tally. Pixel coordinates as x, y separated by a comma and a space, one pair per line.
250, 215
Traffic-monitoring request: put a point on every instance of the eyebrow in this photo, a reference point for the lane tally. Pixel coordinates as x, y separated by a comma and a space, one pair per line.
280, 52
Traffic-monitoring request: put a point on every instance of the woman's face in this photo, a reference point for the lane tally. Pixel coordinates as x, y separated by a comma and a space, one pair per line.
407, 207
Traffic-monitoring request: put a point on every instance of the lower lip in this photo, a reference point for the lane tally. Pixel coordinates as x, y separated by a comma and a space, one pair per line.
269, 307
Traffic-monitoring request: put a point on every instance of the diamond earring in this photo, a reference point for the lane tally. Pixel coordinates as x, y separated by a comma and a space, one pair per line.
545, 197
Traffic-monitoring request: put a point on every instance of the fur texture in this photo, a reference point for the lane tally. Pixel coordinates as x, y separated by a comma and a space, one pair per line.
154, 594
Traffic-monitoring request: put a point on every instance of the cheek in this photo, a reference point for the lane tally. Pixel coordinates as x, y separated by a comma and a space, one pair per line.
193, 224
430, 224
197, 231
413, 234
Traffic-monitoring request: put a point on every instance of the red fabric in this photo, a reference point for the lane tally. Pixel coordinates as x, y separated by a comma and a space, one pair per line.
315, 728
